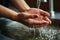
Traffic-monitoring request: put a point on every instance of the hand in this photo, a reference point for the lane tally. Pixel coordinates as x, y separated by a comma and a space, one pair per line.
37, 11
32, 19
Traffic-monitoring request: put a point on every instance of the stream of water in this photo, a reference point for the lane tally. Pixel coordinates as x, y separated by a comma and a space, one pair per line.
44, 33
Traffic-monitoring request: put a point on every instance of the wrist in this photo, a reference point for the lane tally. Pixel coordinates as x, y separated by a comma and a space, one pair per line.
28, 9
25, 9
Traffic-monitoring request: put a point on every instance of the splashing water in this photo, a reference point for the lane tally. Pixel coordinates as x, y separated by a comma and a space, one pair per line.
38, 3
44, 33
38, 6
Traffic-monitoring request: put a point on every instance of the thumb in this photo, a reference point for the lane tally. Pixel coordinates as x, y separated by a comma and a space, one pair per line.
31, 15
27, 15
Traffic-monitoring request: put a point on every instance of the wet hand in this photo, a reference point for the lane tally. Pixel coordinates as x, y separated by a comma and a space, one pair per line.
32, 19
37, 11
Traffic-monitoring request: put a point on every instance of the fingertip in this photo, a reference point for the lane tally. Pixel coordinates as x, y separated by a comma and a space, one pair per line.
47, 13
44, 13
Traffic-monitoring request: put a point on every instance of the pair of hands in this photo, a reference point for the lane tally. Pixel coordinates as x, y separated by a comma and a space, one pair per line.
34, 17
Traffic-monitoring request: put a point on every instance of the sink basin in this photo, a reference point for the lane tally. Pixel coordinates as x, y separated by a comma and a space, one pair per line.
19, 31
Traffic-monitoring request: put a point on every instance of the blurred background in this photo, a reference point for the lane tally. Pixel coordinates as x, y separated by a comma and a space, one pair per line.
45, 5
13, 30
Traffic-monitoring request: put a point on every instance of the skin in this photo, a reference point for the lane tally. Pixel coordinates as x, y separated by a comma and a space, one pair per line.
21, 5
28, 16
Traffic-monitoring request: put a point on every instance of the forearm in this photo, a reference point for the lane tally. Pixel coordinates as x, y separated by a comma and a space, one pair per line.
21, 5
8, 13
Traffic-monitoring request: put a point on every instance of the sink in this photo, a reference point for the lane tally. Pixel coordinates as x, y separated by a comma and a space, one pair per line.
19, 31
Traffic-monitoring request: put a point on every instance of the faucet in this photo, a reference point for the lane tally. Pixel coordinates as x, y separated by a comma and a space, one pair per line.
44, 0
51, 8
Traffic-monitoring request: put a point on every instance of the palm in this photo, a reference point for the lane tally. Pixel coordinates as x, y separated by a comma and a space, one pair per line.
33, 17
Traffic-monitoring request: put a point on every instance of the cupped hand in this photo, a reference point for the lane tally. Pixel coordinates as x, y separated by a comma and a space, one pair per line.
32, 19
38, 11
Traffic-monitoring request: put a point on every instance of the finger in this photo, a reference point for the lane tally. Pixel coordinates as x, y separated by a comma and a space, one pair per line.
36, 22
32, 16
44, 13
27, 15
48, 20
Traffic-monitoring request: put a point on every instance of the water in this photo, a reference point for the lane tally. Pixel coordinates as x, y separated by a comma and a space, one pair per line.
34, 33
44, 34
38, 3
21, 32
37, 38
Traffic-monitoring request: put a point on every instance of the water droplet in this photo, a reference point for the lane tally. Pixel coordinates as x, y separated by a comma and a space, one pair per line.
42, 38
36, 38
